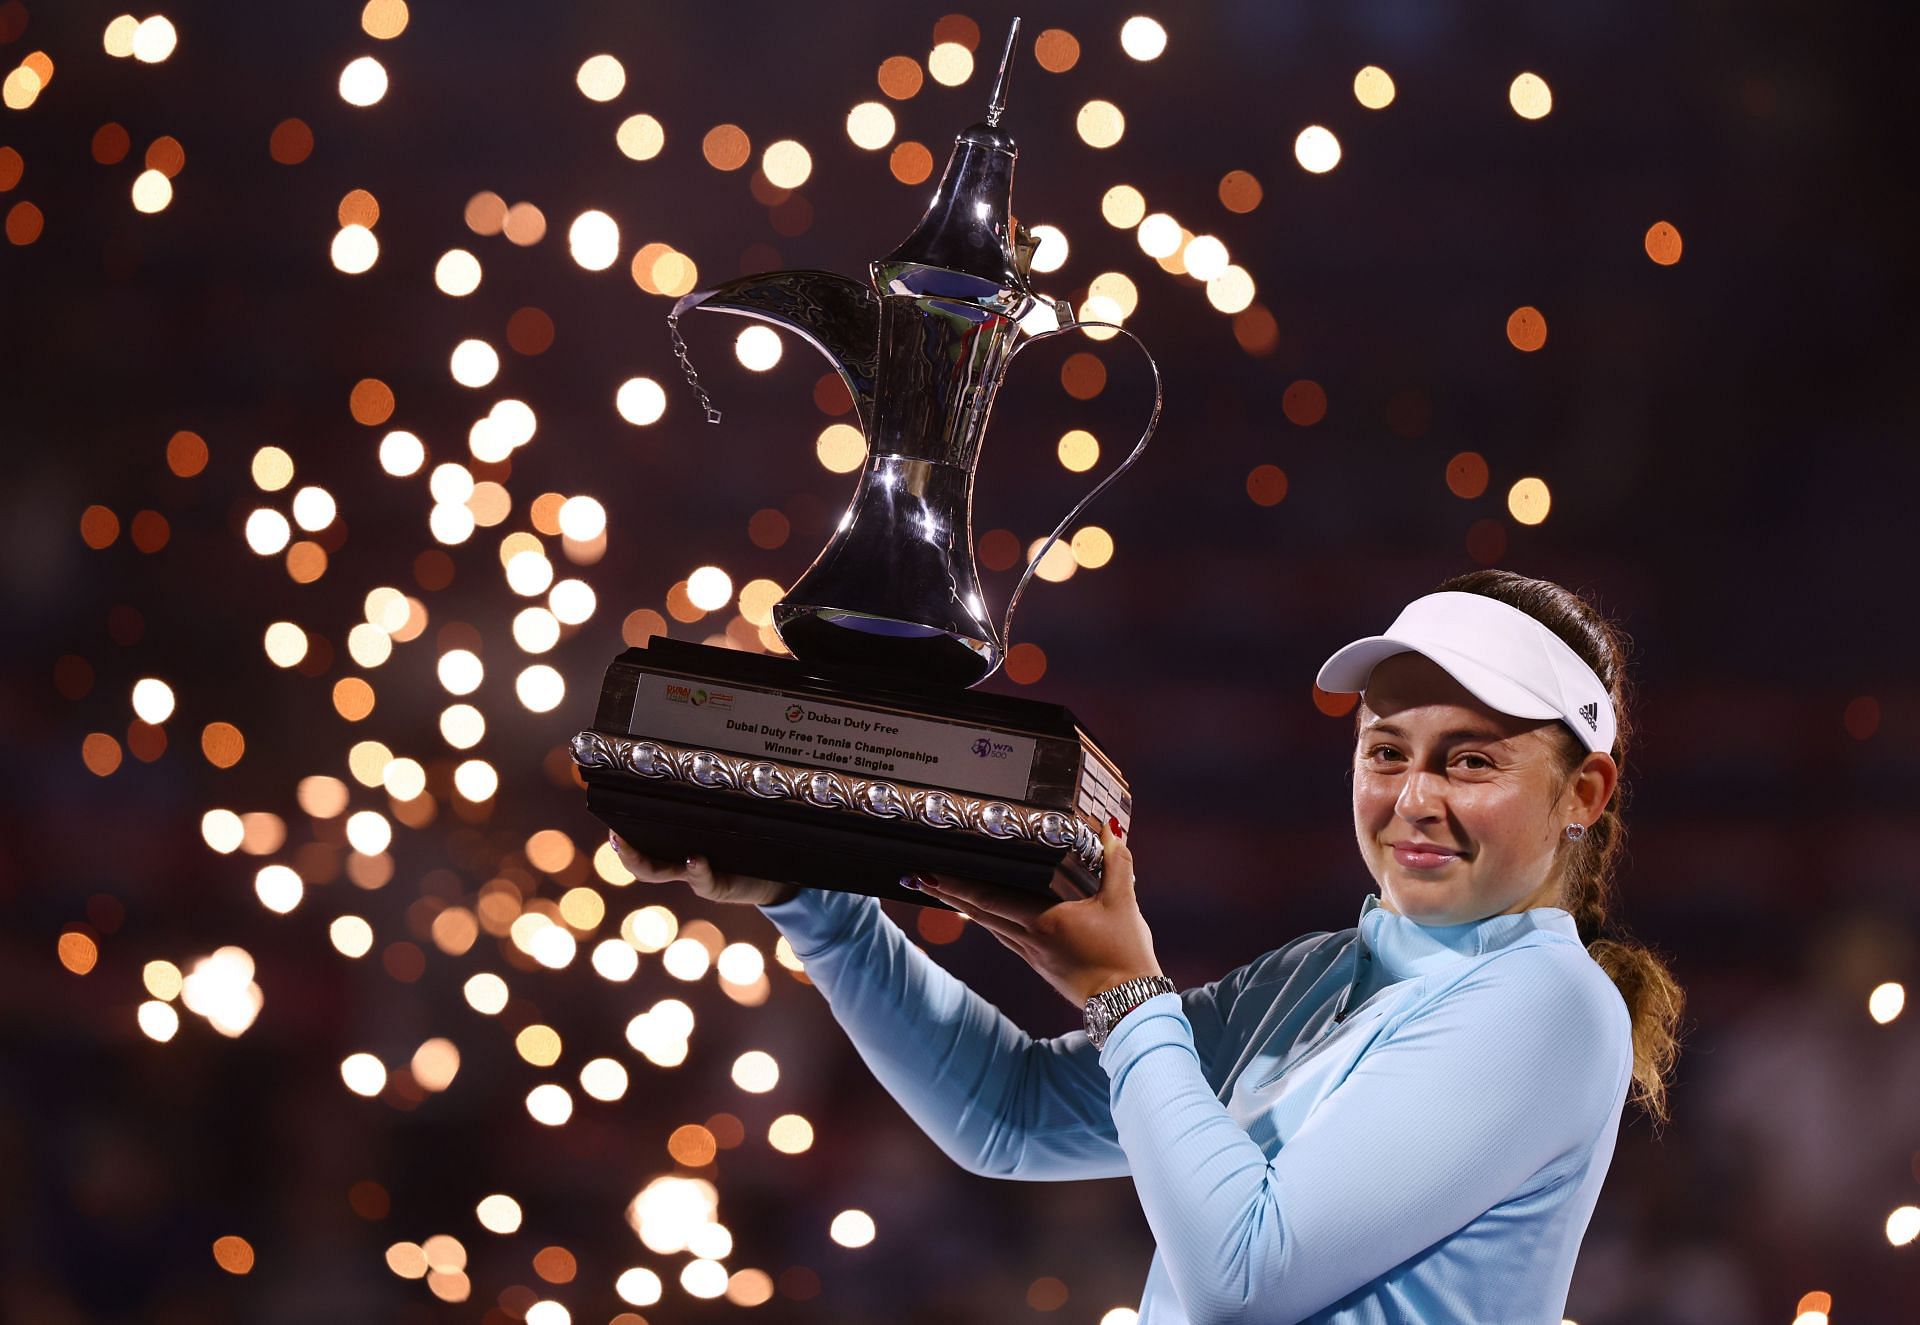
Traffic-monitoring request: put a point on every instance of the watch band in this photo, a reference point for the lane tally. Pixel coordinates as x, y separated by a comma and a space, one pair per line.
1105, 1009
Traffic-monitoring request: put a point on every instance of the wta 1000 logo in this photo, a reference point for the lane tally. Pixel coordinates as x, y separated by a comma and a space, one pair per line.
987, 749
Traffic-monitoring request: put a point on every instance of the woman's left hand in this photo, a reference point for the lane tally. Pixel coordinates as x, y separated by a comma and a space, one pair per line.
1081, 948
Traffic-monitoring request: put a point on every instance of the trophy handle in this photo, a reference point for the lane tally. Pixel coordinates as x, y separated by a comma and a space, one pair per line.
1153, 421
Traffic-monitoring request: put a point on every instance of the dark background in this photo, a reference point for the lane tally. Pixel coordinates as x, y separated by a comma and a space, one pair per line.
1729, 442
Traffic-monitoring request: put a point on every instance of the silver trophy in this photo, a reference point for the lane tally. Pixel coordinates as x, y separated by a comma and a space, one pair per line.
865, 755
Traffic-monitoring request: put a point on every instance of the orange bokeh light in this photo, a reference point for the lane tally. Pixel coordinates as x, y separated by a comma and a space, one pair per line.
692, 1145
1526, 328
1240, 191
1304, 402
358, 207
1334, 705
222, 743
768, 529
999, 549
149, 531
1026, 663
530, 331
726, 147
910, 163
1663, 243
957, 28
1467, 475
1057, 50
1256, 331
78, 952
371, 401
899, 76
1083, 376
555, 1264
99, 527
291, 142
186, 453
111, 143
24, 223
1267, 485
642, 625
100, 753
167, 156
233, 1254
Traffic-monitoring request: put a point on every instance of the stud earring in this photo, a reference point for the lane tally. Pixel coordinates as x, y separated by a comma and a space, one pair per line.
1575, 832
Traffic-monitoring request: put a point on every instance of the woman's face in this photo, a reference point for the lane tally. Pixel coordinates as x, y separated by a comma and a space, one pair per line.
1460, 810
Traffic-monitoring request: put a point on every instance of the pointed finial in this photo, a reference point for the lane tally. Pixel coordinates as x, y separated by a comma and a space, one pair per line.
998, 105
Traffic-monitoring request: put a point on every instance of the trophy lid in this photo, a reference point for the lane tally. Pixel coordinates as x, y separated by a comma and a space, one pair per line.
968, 229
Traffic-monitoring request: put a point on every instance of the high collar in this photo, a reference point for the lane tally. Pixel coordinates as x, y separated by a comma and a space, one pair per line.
1405, 948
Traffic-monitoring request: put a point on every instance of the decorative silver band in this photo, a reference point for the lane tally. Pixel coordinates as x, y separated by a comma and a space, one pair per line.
770, 779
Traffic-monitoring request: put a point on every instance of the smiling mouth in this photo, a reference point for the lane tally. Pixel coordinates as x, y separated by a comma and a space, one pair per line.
1425, 857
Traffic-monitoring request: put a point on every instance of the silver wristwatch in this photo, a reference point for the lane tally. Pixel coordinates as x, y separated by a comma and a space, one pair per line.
1105, 1009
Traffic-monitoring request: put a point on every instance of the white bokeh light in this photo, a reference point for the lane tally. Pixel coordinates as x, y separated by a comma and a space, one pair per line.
268, 532
641, 401
1050, 250
402, 453
1143, 38
852, 1228
536, 629
354, 249
363, 82
757, 348
457, 273
550, 1104
476, 780
278, 888
582, 518
594, 240
709, 588
474, 363
540, 688
364, 1074
1316, 149
152, 700
460, 671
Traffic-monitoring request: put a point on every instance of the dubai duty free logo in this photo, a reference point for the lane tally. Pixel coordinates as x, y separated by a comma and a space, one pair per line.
795, 713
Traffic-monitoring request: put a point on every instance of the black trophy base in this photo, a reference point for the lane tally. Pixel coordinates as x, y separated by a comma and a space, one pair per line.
757, 764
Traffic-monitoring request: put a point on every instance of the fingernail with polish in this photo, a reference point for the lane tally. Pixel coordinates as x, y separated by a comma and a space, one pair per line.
1114, 823
910, 881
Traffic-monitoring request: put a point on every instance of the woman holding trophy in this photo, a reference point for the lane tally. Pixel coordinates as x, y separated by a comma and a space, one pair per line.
1406, 1120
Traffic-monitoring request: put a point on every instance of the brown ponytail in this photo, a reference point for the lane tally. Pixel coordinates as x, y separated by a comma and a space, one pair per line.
1654, 998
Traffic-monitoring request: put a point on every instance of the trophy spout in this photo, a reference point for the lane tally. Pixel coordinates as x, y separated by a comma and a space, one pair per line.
838, 316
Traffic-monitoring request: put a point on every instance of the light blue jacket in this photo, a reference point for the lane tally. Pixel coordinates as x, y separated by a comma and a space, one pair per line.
1393, 1123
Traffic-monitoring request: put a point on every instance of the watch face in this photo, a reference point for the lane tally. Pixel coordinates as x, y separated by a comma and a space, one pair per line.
1097, 1021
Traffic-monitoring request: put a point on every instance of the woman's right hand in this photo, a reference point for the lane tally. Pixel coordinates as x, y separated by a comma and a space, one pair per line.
701, 877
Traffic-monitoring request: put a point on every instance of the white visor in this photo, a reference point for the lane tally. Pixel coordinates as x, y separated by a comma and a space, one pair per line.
1504, 658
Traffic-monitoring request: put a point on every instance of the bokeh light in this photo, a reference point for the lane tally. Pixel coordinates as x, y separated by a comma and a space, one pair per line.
1143, 38
1373, 88
1316, 149
1530, 97
1100, 124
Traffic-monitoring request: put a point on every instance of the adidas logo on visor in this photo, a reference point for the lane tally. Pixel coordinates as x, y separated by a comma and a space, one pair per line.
1591, 712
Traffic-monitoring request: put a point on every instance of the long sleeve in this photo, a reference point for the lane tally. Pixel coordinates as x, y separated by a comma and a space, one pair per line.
994, 1099
1478, 1096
